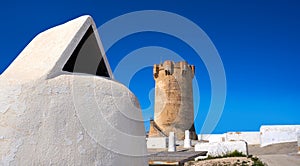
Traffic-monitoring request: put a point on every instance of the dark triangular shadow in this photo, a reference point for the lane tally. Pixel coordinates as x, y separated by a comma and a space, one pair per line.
87, 57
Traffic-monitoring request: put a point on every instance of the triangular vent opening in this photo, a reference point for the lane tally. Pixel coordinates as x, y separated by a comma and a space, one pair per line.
87, 57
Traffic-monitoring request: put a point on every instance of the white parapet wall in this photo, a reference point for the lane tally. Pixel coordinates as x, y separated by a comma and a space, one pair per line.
252, 138
272, 134
212, 137
222, 148
278, 134
157, 142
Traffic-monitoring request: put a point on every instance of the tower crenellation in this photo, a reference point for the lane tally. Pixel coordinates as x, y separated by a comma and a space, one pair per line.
170, 67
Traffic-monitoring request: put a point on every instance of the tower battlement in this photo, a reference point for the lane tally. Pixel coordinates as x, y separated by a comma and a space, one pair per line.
170, 67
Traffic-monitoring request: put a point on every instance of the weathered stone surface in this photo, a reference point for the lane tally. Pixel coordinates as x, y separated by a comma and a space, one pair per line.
155, 130
52, 116
174, 109
298, 140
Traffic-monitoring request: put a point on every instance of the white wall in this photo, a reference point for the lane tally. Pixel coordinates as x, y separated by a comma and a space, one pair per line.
49, 116
278, 134
221, 148
252, 138
268, 135
212, 137
157, 142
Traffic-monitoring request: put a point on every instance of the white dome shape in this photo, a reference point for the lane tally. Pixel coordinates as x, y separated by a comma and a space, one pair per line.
60, 105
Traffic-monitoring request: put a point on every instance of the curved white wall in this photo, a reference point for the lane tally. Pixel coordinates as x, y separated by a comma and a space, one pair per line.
54, 117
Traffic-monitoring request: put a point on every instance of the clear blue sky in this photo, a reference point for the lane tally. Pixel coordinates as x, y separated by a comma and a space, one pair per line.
258, 42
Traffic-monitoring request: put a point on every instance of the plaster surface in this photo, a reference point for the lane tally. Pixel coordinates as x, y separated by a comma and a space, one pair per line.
252, 138
278, 134
221, 148
49, 116
157, 142
212, 137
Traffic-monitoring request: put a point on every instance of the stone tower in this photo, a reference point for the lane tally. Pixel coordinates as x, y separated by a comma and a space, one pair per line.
174, 108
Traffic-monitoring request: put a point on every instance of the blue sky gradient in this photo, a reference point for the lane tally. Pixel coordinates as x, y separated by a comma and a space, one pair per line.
258, 42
